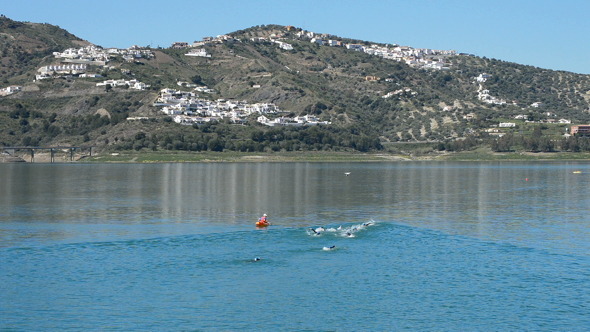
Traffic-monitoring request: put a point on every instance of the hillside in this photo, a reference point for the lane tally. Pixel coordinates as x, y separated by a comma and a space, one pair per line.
369, 95
25, 45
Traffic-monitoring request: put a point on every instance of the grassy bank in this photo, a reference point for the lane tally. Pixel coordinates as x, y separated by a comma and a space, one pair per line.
487, 155
176, 156
181, 156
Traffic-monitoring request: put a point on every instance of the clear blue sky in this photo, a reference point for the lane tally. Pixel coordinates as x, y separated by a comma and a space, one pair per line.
544, 33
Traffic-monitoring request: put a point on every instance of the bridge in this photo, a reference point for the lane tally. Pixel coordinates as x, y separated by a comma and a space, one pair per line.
11, 150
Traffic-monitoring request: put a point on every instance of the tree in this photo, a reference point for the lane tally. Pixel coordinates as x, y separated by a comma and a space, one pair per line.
140, 136
215, 145
138, 145
197, 79
503, 144
546, 145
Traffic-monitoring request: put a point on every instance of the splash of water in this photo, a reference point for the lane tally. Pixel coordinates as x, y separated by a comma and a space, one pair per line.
342, 231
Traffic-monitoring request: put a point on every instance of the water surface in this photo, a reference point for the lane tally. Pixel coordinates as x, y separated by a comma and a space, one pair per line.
451, 246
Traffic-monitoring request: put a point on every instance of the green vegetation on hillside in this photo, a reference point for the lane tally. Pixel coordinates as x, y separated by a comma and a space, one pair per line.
373, 104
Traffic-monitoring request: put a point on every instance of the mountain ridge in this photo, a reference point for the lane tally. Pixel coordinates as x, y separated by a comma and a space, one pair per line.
371, 98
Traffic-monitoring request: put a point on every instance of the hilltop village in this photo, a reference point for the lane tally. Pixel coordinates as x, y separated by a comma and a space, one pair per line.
415, 57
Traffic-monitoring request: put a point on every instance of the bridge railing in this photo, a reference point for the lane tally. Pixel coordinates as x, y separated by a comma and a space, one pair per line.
11, 150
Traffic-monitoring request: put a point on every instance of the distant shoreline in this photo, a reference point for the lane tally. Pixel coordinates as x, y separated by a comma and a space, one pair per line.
300, 156
321, 156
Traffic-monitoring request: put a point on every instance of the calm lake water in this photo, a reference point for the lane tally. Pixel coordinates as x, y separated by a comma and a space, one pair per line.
445, 247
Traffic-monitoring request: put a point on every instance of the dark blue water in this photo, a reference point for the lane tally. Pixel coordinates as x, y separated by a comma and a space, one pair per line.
469, 247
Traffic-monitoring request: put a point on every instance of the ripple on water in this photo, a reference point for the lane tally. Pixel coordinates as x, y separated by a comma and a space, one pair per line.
388, 276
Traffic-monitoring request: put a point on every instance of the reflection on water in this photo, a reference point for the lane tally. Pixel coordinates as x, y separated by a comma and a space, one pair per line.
454, 246
526, 203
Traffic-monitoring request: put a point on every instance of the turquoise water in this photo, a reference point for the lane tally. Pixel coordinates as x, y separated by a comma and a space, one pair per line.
448, 247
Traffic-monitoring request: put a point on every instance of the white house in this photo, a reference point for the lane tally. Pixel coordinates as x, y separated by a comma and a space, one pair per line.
318, 41
204, 89
89, 75
62, 69
13, 89
10, 90
506, 125
483, 77
140, 86
283, 45
356, 47
133, 84
263, 119
198, 52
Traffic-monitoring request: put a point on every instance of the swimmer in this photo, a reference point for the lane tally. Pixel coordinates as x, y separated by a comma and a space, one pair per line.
257, 259
329, 248
315, 232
